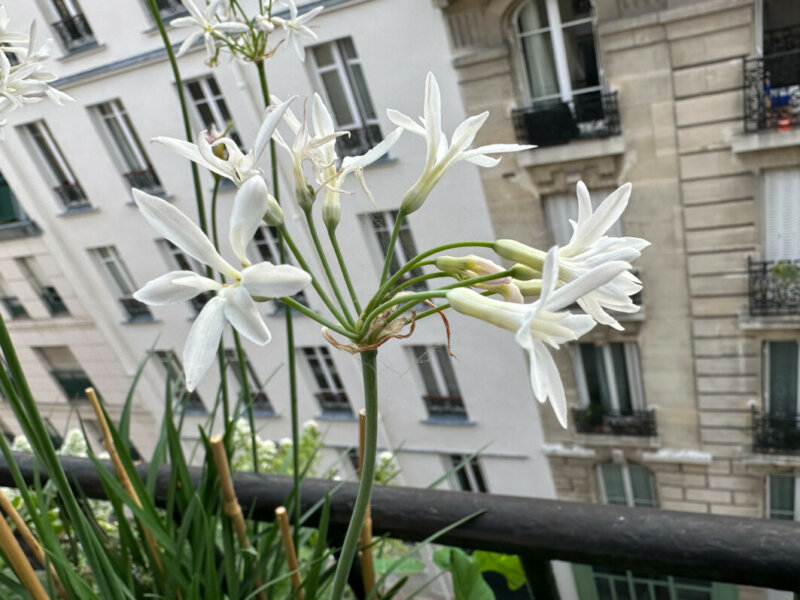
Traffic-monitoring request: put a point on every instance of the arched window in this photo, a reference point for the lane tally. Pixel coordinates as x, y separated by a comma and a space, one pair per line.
627, 484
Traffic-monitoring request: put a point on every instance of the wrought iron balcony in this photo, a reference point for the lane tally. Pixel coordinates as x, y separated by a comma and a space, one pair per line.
14, 307
445, 407
53, 301
776, 434
71, 194
334, 403
772, 92
592, 421
773, 288
136, 311
552, 122
74, 32
359, 141
143, 179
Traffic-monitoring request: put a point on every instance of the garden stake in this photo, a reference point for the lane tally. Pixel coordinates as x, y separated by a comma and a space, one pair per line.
288, 550
367, 562
122, 475
229, 501
20, 563
30, 540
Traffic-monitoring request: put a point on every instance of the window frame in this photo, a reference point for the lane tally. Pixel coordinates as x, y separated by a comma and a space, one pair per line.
765, 374
435, 357
768, 495
389, 217
627, 484
110, 263
46, 291
469, 477
261, 404
217, 106
192, 402
329, 375
75, 370
633, 367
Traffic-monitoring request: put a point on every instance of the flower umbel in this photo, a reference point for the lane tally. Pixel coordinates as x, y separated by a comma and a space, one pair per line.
295, 27
234, 301
209, 27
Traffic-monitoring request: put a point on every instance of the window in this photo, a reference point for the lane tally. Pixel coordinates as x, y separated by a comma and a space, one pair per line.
781, 20
120, 281
10, 210
442, 396
71, 26
404, 250
780, 378
609, 377
14, 307
561, 208
267, 246
468, 475
345, 89
190, 402
211, 107
184, 262
66, 370
258, 397
63, 180
130, 154
627, 485
330, 393
782, 497
781, 201
32, 272
169, 8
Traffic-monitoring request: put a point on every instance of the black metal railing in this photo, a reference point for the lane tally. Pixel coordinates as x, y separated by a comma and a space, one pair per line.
14, 307
334, 403
445, 407
359, 141
746, 551
74, 383
773, 287
71, 194
52, 299
136, 311
638, 422
776, 433
772, 92
553, 122
74, 32
143, 179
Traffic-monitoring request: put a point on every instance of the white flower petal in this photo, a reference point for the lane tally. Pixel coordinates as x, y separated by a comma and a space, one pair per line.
268, 126
546, 381
243, 314
190, 151
405, 122
274, 281
608, 213
249, 206
433, 119
466, 132
585, 284
203, 341
171, 288
178, 229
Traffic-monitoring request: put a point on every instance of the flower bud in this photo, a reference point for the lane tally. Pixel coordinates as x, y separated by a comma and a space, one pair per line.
304, 195
274, 214
415, 197
520, 253
331, 209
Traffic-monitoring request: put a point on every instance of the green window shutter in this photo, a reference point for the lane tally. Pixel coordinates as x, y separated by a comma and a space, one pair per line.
584, 581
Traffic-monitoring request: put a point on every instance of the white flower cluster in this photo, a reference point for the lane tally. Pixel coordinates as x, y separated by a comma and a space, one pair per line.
24, 77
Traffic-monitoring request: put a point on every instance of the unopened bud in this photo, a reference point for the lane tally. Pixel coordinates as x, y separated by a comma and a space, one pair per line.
274, 214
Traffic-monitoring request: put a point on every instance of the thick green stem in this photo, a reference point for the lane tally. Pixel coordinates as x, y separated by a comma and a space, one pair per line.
343, 267
369, 367
327, 268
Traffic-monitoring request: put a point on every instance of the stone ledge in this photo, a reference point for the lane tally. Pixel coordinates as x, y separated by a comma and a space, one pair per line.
571, 451
572, 151
748, 322
683, 456
771, 140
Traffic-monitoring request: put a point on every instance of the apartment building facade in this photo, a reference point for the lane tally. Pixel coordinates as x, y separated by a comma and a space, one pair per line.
694, 406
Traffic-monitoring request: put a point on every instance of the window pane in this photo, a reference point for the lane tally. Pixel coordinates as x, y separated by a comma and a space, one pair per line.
621, 378
622, 590
533, 16
122, 143
641, 486
613, 484
537, 50
347, 48
596, 381
424, 363
323, 55
783, 378
338, 99
361, 91
446, 367
572, 10
581, 58
781, 497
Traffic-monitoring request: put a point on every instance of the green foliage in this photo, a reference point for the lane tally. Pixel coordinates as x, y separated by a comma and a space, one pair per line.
466, 567
786, 271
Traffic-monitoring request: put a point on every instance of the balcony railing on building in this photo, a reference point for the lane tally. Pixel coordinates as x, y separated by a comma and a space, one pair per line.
773, 287
553, 122
143, 179
74, 32
445, 407
359, 141
136, 311
776, 433
772, 92
53, 301
593, 421
334, 403
71, 194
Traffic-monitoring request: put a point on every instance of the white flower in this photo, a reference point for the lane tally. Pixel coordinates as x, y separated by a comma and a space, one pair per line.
440, 155
467, 267
234, 301
236, 165
295, 27
588, 248
209, 27
542, 323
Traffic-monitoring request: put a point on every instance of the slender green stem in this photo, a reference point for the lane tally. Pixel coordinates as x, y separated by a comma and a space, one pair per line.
291, 302
214, 194
343, 267
327, 268
369, 367
413, 299
415, 280
429, 312
223, 378
247, 397
392, 241
314, 282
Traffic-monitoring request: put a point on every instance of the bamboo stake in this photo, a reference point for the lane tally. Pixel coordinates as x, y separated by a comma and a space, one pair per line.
30, 540
20, 563
367, 560
288, 550
230, 502
122, 475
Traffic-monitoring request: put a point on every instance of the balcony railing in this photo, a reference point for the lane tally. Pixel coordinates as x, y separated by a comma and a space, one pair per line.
53, 301
73, 381
70, 194
638, 423
773, 287
136, 311
143, 179
776, 434
14, 307
74, 32
772, 92
334, 403
359, 141
445, 407
552, 122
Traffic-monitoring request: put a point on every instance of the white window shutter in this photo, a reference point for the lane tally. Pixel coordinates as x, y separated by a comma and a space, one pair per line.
781, 225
